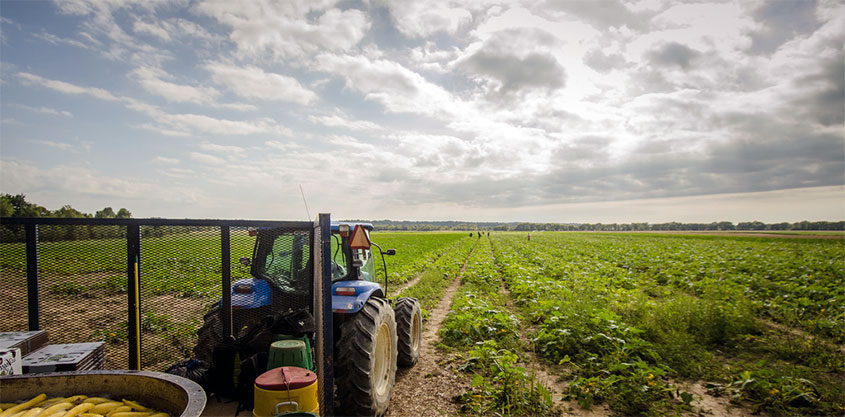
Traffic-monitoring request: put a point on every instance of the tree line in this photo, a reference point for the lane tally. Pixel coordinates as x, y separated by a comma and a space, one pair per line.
17, 206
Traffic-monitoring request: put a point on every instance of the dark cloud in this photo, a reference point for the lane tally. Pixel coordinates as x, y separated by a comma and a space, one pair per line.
599, 61
672, 54
513, 73
758, 153
781, 21
822, 96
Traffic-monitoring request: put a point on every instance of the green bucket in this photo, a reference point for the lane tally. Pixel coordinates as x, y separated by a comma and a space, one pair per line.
290, 352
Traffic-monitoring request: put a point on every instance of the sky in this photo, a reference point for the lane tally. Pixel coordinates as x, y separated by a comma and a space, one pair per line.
547, 111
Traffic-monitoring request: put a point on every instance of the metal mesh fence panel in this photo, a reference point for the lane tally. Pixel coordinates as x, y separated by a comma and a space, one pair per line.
82, 287
13, 291
180, 279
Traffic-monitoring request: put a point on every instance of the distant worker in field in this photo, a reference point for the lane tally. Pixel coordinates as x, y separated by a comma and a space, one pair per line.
470, 234
529, 236
479, 235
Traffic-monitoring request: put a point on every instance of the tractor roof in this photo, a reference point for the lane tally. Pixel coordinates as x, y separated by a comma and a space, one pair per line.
336, 225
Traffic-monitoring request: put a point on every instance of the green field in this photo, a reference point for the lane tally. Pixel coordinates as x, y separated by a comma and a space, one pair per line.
628, 322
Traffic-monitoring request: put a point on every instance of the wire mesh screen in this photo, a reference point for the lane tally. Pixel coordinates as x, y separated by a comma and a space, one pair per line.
82, 287
190, 273
180, 277
13, 292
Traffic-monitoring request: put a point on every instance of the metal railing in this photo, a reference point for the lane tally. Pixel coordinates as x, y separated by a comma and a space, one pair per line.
143, 286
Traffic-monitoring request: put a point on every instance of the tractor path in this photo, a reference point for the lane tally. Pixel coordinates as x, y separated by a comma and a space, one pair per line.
427, 388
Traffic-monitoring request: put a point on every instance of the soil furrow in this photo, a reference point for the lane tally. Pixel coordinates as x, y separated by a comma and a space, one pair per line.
427, 388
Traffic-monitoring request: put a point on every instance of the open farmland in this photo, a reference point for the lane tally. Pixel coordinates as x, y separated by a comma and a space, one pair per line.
648, 325
620, 324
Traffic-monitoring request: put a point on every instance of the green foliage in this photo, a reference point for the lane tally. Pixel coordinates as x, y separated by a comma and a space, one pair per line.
615, 309
500, 386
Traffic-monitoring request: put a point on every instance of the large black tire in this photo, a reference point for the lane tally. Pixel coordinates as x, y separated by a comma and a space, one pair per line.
409, 329
365, 366
209, 335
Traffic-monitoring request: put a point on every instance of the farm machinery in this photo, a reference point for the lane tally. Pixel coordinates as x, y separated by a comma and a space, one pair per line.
372, 334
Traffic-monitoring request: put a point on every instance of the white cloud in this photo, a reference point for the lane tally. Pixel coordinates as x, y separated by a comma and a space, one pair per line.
46, 110
206, 158
165, 160
170, 124
67, 88
151, 79
225, 149
422, 19
58, 145
253, 82
287, 29
399, 89
341, 120
151, 29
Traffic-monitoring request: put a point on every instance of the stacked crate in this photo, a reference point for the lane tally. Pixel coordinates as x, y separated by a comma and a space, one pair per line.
39, 357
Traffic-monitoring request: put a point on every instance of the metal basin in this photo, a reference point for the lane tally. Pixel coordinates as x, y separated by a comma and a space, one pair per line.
165, 392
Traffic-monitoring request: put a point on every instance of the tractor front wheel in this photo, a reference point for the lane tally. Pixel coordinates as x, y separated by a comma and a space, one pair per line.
365, 368
409, 328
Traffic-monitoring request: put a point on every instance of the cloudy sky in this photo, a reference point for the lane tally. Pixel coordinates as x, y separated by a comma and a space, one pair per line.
469, 110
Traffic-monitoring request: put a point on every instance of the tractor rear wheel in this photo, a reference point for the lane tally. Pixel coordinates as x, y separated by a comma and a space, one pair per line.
209, 335
409, 329
365, 368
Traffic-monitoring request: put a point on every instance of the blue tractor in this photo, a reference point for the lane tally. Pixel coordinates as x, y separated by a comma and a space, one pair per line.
372, 334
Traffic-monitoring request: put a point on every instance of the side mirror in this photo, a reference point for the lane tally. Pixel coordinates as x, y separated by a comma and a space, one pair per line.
390, 252
244, 261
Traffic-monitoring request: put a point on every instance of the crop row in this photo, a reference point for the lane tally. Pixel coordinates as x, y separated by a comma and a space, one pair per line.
438, 274
480, 324
629, 316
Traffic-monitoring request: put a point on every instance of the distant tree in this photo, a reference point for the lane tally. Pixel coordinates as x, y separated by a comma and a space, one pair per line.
69, 212
123, 214
6, 208
23, 208
106, 213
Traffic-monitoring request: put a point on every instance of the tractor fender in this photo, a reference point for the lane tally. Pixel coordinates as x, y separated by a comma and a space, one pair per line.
251, 293
349, 304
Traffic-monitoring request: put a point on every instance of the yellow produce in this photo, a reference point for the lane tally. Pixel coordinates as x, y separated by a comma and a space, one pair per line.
38, 399
135, 406
79, 409
77, 406
55, 408
52, 401
119, 409
32, 412
105, 408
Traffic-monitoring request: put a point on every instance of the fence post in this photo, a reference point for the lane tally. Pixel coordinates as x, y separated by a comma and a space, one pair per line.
32, 295
226, 272
133, 285
324, 277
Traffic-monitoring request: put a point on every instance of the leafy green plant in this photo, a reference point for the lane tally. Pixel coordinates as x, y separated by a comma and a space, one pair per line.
500, 386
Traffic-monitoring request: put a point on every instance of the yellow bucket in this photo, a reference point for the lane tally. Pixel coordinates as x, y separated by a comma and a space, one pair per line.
290, 387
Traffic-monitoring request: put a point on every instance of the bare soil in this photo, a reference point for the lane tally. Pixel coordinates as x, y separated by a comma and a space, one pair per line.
95, 314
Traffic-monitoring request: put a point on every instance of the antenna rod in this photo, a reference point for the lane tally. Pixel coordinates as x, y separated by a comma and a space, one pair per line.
307, 212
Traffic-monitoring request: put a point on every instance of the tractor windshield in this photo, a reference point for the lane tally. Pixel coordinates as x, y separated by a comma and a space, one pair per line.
284, 259
341, 265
